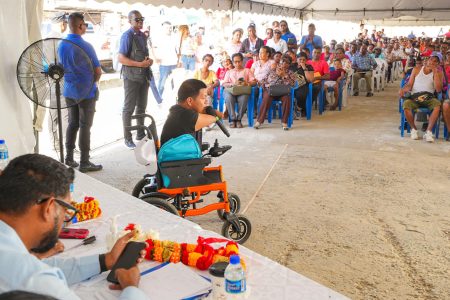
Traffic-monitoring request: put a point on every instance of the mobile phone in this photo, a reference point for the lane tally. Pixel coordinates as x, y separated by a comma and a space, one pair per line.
126, 260
291, 41
73, 233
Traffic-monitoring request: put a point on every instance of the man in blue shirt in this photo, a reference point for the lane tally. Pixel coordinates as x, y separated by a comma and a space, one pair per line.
311, 40
34, 203
363, 64
133, 55
80, 91
288, 36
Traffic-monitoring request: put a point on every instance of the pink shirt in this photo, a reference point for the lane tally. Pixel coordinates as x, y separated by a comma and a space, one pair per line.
233, 75
261, 70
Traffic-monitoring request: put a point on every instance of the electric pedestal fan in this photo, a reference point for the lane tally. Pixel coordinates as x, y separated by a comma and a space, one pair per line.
49, 67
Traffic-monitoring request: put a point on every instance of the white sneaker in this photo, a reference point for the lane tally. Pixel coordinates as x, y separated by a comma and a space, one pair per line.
256, 125
414, 135
428, 136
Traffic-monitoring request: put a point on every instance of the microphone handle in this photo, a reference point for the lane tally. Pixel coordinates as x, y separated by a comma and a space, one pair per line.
222, 127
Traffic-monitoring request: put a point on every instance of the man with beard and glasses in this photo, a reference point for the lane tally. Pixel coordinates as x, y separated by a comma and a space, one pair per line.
34, 203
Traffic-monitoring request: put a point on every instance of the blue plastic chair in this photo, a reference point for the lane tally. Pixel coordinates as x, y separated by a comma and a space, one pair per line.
402, 84
424, 110
277, 104
218, 100
250, 106
321, 97
309, 102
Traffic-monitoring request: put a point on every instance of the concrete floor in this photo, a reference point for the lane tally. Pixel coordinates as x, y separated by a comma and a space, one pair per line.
342, 199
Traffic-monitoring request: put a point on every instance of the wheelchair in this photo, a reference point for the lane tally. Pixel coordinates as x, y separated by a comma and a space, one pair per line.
179, 183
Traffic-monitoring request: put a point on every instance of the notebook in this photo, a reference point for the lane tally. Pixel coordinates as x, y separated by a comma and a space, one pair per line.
173, 282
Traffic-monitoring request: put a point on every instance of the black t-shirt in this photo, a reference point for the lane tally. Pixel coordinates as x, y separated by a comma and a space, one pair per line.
300, 74
179, 121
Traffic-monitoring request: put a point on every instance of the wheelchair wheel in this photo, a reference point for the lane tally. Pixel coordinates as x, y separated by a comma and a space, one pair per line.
241, 236
160, 203
235, 205
141, 188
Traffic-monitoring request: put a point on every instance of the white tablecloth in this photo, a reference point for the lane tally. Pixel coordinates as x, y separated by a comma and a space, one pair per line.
266, 279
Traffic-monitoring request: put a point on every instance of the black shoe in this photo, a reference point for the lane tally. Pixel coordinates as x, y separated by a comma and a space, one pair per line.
356, 94
71, 163
369, 94
130, 144
89, 167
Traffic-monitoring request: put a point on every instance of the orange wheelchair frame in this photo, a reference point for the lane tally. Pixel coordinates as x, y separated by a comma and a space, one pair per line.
183, 200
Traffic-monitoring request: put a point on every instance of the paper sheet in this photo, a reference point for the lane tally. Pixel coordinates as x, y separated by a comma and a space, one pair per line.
173, 282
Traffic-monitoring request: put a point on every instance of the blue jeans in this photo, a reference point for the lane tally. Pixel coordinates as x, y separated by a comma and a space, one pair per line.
164, 72
155, 92
188, 62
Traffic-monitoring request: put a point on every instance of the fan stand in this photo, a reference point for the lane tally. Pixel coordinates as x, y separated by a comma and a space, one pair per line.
56, 72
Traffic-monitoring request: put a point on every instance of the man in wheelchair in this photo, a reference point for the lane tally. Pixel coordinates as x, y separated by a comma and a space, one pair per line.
180, 158
188, 116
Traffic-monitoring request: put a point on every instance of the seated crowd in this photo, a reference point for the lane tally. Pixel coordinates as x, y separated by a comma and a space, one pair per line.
279, 60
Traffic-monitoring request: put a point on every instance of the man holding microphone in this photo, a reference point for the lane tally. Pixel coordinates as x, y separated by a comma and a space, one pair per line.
133, 55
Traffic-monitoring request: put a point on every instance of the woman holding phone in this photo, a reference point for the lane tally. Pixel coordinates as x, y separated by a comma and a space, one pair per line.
239, 76
281, 75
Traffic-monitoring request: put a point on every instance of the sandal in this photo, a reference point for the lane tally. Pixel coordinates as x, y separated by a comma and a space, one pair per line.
285, 126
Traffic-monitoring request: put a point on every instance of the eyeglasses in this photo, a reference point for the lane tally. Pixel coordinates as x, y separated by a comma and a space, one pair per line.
84, 24
69, 211
141, 19
277, 32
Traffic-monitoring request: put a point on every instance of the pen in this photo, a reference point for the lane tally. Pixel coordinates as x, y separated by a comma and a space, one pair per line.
86, 241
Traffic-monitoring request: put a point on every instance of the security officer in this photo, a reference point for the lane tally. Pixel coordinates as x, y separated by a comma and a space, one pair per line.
134, 57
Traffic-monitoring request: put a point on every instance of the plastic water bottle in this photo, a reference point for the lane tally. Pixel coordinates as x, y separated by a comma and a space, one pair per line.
4, 156
72, 189
235, 284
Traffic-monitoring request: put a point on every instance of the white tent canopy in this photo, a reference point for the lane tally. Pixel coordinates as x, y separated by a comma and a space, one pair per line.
400, 12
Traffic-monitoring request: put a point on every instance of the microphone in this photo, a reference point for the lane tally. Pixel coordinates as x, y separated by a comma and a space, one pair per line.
211, 111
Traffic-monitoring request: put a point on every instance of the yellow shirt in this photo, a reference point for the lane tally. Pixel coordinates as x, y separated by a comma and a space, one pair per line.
208, 80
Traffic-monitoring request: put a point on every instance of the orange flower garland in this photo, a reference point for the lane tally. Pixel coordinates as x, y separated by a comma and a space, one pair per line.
89, 209
201, 255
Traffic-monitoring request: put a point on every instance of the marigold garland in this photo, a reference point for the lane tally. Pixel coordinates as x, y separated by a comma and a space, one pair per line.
88, 209
201, 255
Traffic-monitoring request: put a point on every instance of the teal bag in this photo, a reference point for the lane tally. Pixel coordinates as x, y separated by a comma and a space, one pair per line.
180, 148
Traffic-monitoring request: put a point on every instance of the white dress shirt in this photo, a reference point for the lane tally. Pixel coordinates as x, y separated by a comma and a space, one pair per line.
19, 270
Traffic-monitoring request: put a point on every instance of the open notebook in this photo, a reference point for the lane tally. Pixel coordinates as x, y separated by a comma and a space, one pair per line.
173, 282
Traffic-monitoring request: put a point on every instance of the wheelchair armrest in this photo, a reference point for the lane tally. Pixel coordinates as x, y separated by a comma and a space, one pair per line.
187, 162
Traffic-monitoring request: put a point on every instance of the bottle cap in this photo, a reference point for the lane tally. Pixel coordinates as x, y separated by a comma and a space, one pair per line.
218, 269
2, 142
234, 259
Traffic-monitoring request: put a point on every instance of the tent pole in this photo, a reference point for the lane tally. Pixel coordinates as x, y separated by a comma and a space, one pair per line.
301, 27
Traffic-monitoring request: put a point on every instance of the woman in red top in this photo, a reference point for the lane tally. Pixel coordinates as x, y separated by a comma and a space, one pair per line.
226, 65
